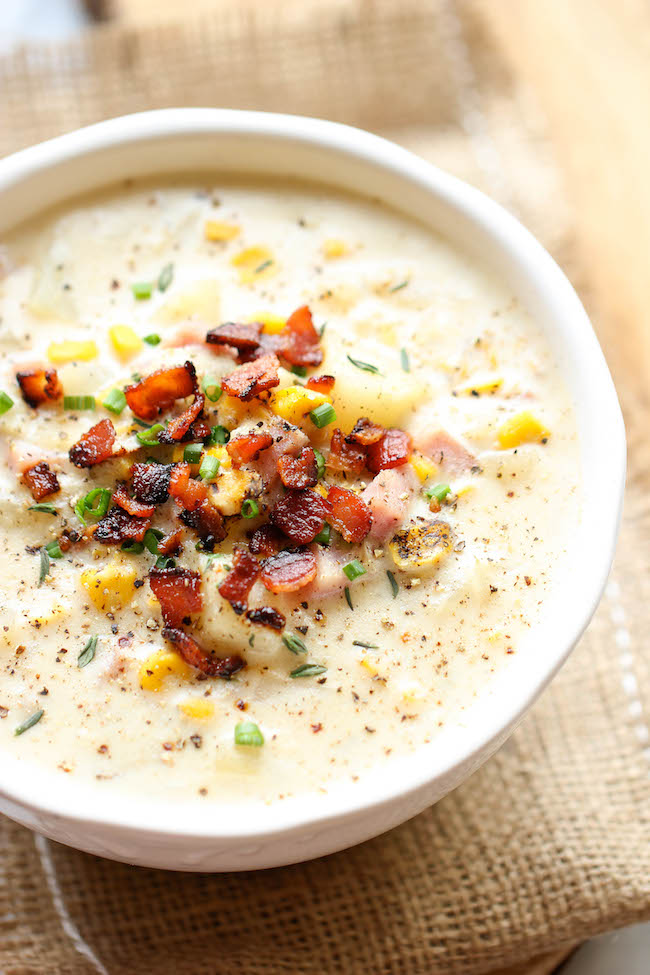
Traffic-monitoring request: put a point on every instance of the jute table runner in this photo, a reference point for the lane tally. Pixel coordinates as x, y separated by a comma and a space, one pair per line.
549, 842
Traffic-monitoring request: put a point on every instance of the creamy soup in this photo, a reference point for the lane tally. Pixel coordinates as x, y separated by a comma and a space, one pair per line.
286, 481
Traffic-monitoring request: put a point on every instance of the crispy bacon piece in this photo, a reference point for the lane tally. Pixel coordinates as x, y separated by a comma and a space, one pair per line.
298, 472
248, 447
289, 570
321, 384
299, 340
300, 515
95, 446
179, 427
365, 432
151, 482
131, 505
172, 543
392, 450
208, 524
240, 580
178, 591
266, 541
119, 526
189, 492
345, 456
41, 481
349, 514
39, 385
267, 616
245, 338
158, 391
253, 378
196, 656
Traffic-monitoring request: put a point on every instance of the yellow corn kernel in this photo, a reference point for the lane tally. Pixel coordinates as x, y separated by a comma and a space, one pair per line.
481, 385
125, 341
52, 614
415, 547
197, 707
295, 402
230, 491
412, 693
216, 230
465, 488
369, 666
69, 351
110, 587
254, 263
160, 665
333, 248
222, 455
423, 466
272, 323
522, 428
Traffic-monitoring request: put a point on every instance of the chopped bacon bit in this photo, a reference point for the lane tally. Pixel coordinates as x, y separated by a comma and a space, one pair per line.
95, 446
178, 591
245, 338
321, 384
208, 524
255, 377
300, 340
247, 447
267, 616
41, 481
131, 505
350, 515
298, 472
151, 482
172, 543
178, 428
366, 432
196, 656
119, 526
39, 386
240, 580
300, 515
158, 391
392, 450
345, 456
266, 541
189, 492
200, 430
289, 570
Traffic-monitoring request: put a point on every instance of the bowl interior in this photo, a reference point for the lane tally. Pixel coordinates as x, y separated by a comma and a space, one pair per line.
215, 141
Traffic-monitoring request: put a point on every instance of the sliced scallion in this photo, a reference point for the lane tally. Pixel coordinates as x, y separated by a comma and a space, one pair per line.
324, 535
133, 548
438, 491
165, 562
94, 504
354, 569
115, 401
323, 415
153, 339
208, 469
219, 435
299, 371
79, 403
6, 402
212, 388
149, 437
250, 509
53, 549
192, 453
142, 290
247, 733
151, 538
320, 461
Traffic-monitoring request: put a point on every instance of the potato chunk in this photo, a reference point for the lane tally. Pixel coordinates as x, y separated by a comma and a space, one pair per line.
386, 397
418, 547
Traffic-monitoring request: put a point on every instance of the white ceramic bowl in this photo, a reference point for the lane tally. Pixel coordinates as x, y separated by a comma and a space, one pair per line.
197, 836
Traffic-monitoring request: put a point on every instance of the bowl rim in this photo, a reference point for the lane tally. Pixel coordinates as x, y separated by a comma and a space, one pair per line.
133, 815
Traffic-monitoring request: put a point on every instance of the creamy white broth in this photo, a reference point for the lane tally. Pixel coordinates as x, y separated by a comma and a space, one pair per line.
380, 284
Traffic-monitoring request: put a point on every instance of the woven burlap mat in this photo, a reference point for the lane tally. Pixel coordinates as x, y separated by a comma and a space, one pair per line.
548, 843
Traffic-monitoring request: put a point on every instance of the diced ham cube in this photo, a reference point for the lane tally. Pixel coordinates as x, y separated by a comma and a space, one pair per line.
447, 452
388, 496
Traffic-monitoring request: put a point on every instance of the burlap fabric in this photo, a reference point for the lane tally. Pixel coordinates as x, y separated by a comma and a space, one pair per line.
549, 842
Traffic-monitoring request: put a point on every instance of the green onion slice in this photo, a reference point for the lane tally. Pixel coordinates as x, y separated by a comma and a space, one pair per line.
88, 652
324, 535
151, 538
406, 364
153, 339
149, 437
133, 548
192, 453
293, 643
320, 461
354, 569
6, 402
94, 505
79, 403
115, 401
208, 469
308, 670
29, 722
53, 549
165, 562
365, 366
250, 508
248, 733
219, 435
212, 388
165, 277
142, 290
438, 491
323, 415
299, 371
44, 506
